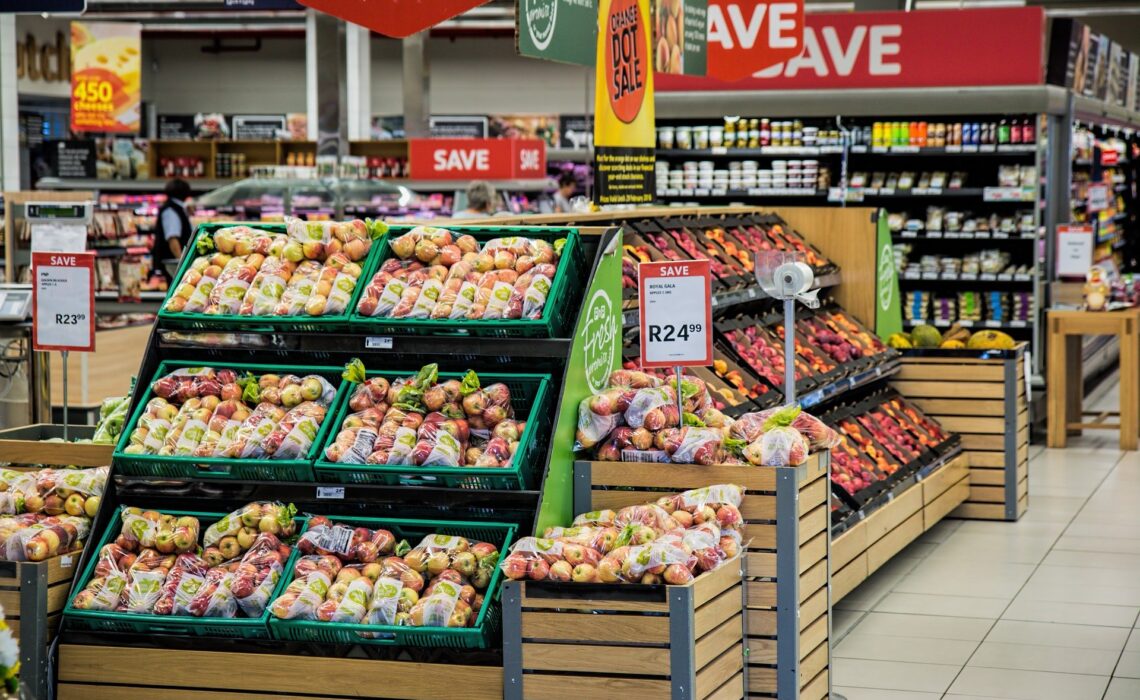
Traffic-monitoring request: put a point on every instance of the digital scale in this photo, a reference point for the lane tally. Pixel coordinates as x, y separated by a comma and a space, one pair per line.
58, 227
15, 302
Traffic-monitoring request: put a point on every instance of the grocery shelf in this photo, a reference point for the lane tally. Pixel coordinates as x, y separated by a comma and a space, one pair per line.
965, 277
997, 325
750, 192
964, 150
196, 184
841, 386
762, 151
966, 235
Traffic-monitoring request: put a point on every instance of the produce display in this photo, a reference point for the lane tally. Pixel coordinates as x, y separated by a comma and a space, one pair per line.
38, 536
312, 269
425, 421
157, 564
112, 416
440, 274
358, 575
637, 420
955, 338
763, 352
207, 412
670, 541
47, 512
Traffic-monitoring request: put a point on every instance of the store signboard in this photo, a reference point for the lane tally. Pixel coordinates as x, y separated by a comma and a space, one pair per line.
486, 159
458, 127
576, 131
42, 7
557, 30
267, 127
624, 133
888, 311
1075, 243
106, 70
73, 159
1097, 197
176, 127
995, 46
680, 36
746, 36
595, 353
63, 301
675, 307
394, 18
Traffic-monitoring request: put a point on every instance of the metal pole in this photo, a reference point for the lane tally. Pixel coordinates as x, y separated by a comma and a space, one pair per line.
790, 350
680, 402
65, 353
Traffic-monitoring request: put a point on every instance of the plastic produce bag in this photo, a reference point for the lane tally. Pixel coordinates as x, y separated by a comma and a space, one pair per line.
442, 608
598, 415
258, 573
699, 446
302, 597
531, 558
346, 602
349, 544
296, 432
266, 516
215, 598
781, 446
181, 584
385, 602
49, 537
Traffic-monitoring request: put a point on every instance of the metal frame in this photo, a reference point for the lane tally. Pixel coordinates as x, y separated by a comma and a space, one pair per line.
682, 653
1011, 389
788, 582
512, 644
35, 672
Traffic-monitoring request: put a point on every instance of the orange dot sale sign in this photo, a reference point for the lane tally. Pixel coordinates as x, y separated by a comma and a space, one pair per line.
106, 70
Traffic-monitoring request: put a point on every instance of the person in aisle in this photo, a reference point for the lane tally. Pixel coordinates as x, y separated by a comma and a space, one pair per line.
172, 227
480, 201
567, 183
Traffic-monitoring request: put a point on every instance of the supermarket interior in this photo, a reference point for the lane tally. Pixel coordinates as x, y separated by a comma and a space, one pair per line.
700, 349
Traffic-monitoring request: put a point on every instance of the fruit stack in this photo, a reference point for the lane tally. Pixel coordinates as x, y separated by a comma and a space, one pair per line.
310, 270
428, 422
207, 412
154, 567
763, 353
439, 274
670, 541
47, 512
357, 575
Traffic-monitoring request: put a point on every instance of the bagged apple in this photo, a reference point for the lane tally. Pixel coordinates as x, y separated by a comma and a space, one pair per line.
350, 544
603, 539
105, 589
302, 597
182, 583
719, 504
294, 435
145, 581
153, 425
346, 601
192, 382
389, 598
442, 608
438, 552
49, 537
263, 516
249, 437
698, 446
598, 415
658, 561
650, 515
531, 558
598, 518
257, 574
215, 598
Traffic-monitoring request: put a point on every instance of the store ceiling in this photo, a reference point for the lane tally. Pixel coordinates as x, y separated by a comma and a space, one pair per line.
1119, 19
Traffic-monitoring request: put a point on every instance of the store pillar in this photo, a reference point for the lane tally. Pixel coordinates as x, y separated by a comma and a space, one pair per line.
417, 86
359, 74
9, 107
326, 83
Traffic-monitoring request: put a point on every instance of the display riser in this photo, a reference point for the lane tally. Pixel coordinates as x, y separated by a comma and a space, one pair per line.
786, 512
33, 595
864, 547
132, 673
27, 446
683, 642
984, 400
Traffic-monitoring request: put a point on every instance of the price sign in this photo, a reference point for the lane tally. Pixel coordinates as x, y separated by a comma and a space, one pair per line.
675, 300
63, 301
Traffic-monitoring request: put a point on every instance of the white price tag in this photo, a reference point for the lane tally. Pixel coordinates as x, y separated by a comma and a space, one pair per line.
378, 342
63, 294
331, 492
675, 304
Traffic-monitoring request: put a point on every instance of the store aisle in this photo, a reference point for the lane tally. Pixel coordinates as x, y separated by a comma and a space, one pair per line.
1042, 609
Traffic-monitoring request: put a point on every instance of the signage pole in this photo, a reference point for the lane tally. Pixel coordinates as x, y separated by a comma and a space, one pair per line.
790, 350
680, 402
64, 353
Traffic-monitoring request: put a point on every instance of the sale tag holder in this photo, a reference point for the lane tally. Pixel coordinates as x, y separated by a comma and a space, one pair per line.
63, 307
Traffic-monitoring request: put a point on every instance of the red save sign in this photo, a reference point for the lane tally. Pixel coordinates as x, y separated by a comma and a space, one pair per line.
675, 310
63, 301
746, 36
395, 18
477, 159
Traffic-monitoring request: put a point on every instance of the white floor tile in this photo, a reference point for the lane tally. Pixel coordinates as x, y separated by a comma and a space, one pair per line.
1029, 657
929, 626
880, 694
1028, 685
860, 645
1071, 613
1121, 689
949, 605
892, 675
1129, 666
1058, 635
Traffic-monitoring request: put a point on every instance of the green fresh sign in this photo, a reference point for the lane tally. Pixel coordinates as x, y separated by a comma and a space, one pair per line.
596, 352
888, 306
557, 30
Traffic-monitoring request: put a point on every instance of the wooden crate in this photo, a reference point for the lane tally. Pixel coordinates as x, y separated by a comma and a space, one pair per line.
33, 595
26, 446
786, 558
984, 400
916, 507
561, 641
91, 672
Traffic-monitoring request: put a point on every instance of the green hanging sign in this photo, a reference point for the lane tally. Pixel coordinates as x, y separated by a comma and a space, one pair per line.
557, 30
596, 352
888, 305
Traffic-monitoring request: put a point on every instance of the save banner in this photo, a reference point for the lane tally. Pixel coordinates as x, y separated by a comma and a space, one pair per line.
746, 36
485, 159
106, 63
624, 132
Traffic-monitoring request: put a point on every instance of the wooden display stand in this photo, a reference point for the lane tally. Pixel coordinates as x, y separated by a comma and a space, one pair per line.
916, 507
33, 595
134, 673
786, 568
1065, 414
106, 372
658, 641
983, 399
26, 446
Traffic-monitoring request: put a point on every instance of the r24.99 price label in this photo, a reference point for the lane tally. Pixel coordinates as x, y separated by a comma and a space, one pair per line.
676, 313
670, 333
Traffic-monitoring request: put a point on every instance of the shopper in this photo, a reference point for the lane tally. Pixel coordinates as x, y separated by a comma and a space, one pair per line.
567, 183
480, 201
172, 229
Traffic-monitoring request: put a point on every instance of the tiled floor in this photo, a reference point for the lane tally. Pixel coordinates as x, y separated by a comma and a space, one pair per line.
1043, 609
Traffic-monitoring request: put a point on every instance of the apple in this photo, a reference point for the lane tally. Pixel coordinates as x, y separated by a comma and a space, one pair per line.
373, 571
677, 574
313, 250
349, 575
74, 505
437, 562
293, 252
36, 550
184, 540
53, 504
291, 396
465, 563
575, 554
684, 518
538, 570
245, 537
164, 541
229, 547
584, 573
268, 523
561, 571
650, 579
311, 389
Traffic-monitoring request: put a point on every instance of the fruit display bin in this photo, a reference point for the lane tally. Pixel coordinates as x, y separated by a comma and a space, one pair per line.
655, 640
478, 637
225, 467
42, 443
33, 595
531, 396
557, 316
253, 324
982, 395
106, 621
786, 559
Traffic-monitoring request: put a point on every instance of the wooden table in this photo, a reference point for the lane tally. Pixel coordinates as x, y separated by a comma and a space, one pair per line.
1065, 387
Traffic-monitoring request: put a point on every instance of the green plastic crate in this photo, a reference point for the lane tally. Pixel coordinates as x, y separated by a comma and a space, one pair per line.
480, 636
557, 316
234, 627
224, 467
265, 324
531, 397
